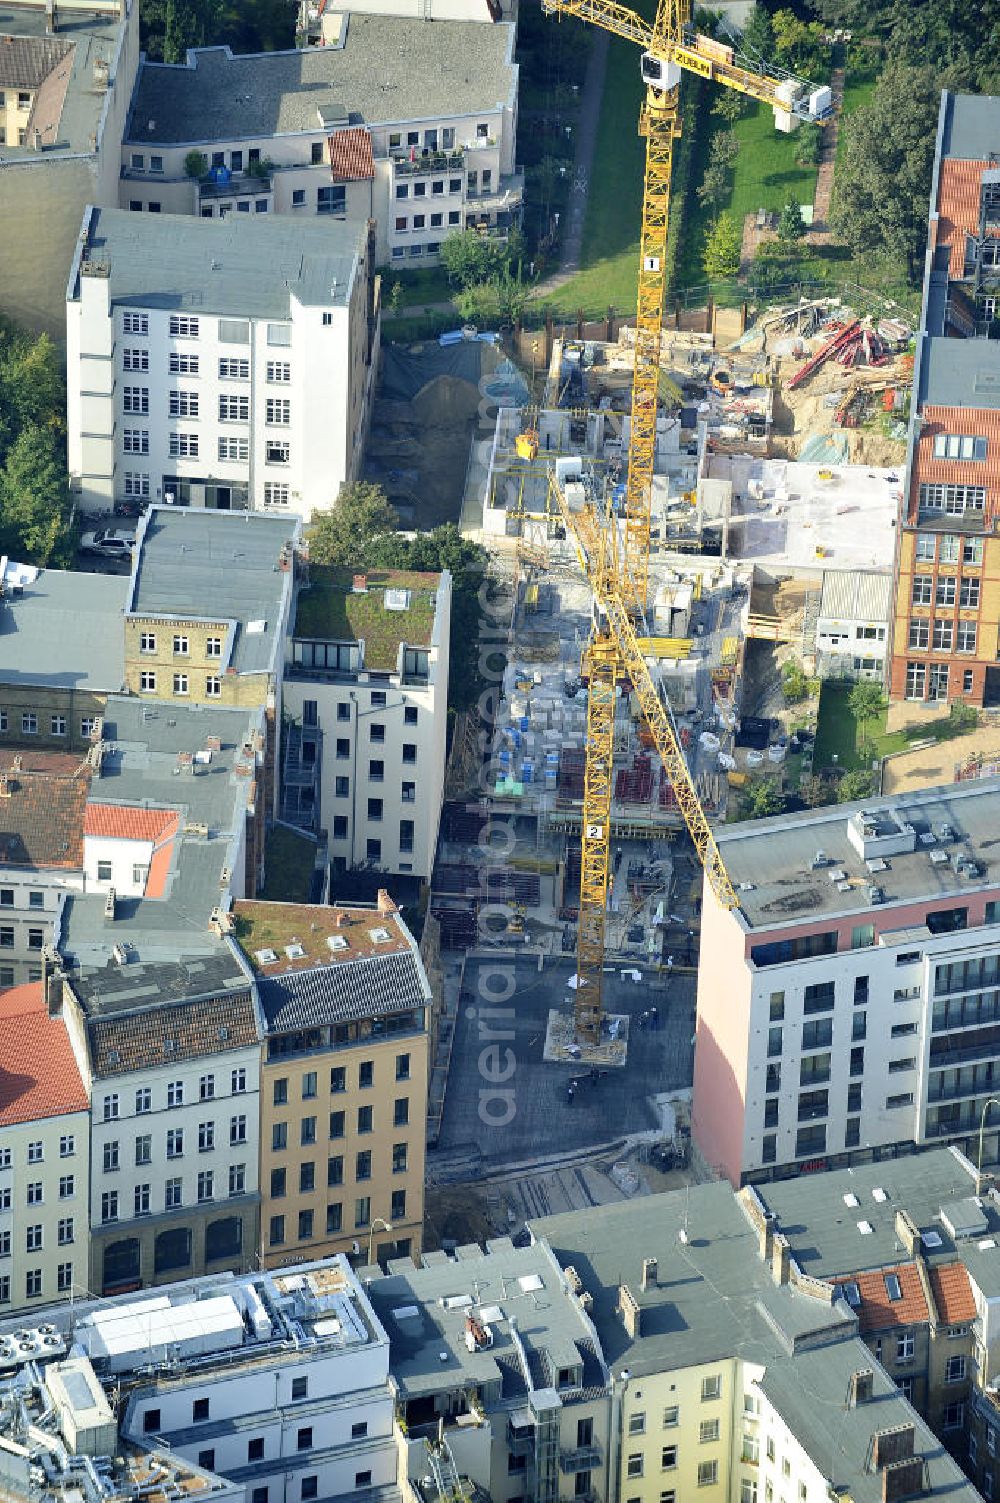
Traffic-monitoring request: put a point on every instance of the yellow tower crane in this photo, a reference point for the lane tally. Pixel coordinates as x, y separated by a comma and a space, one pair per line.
670, 45
618, 567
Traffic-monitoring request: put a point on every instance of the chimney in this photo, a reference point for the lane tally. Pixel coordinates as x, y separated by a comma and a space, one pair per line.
780, 1259
4, 785
385, 903
649, 1267
339, 918
907, 1231
861, 1388
52, 982
631, 1315
359, 584
765, 1237
893, 1445
109, 906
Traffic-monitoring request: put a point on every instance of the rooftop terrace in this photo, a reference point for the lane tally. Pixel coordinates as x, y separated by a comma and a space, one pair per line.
329, 609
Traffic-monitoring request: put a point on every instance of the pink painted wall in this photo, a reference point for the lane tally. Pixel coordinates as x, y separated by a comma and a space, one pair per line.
722, 1040
885, 917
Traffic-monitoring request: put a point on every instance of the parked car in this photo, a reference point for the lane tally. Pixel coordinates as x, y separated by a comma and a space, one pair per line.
108, 543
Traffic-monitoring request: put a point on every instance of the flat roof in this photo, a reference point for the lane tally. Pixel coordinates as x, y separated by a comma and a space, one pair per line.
803, 521
176, 261
68, 105
216, 566
960, 372
424, 1312
148, 762
771, 861
65, 630
383, 70
328, 608
971, 126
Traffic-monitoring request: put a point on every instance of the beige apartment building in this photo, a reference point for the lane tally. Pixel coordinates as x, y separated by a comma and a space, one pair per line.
44, 1150
344, 1073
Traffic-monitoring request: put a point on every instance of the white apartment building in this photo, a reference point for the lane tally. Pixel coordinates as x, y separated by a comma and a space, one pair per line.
366, 690
272, 1388
410, 123
175, 1126
44, 1149
849, 1008
207, 368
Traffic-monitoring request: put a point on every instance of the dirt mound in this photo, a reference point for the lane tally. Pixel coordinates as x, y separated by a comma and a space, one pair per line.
445, 401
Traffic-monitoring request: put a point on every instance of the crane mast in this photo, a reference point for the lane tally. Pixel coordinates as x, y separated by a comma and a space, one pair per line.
618, 570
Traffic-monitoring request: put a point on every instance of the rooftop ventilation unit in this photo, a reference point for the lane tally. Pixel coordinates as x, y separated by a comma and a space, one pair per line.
945, 832
876, 895
879, 1194
295, 952
850, 1199
256, 628
865, 1228
838, 874
265, 957
379, 936
396, 600
878, 865
939, 858
336, 942
931, 1238
820, 859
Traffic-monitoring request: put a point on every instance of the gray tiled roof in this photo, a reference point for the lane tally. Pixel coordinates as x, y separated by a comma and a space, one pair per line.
26, 61
389, 69
369, 988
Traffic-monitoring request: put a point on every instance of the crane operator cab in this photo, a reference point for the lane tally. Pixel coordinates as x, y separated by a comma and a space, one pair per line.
659, 74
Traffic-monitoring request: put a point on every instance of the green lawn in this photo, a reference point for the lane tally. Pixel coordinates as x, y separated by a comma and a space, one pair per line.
837, 731
614, 206
289, 859
428, 284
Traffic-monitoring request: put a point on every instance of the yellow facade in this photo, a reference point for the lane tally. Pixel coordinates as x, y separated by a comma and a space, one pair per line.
342, 1149
15, 108
677, 1432
185, 660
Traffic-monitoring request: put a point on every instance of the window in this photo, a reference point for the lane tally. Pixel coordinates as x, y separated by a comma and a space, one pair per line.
634, 1464
409, 751
206, 1137
305, 1225
307, 1131
708, 1473
276, 1231
183, 404
234, 369
966, 635
362, 1211
147, 685
136, 484
919, 634
144, 1149
711, 1388
109, 1205
234, 409
237, 1130
135, 440
275, 493
172, 1194
955, 1370
135, 399
959, 446
29, 723
238, 1081
278, 410
376, 732
135, 323
310, 1486
916, 680
141, 1200
110, 1107
175, 1142
363, 1165
375, 809
182, 326
234, 449
135, 360
183, 364
182, 446
904, 1347
954, 1416
67, 1146
338, 1078
335, 1170
180, 683
708, 1432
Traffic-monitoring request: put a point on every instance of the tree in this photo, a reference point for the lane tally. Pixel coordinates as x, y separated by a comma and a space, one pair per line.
714, 188
794, 682
511, 295
800, 46
808, 145
761, 799
396, 297
477, 303
196, 164
182, 30
791, 225
723, 248
758, 35
815, 791
470, 259
866, 703
360, 516
34, 498
730, 106
884, 170
854, 785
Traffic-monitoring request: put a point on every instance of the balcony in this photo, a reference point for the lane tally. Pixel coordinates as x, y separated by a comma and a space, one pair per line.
243, 185
508, 194
580, 1459
425, 161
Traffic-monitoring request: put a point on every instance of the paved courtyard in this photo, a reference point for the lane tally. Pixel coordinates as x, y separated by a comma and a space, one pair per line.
506, 1106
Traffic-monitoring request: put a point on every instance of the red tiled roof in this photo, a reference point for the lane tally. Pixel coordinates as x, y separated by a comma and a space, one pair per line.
159, 866
953, 1294
877, 1311
126, 822
39, 1075
41, 816
351, 159
958, 207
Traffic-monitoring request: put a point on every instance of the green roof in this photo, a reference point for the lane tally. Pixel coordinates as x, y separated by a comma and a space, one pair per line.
328, 609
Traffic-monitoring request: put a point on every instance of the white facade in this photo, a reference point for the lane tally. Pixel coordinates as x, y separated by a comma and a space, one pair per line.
383, 747
172, 1138
852, 628
432, 173
215, 408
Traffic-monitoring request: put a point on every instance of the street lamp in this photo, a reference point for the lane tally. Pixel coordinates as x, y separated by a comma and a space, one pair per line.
376, 1224
992, 1101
